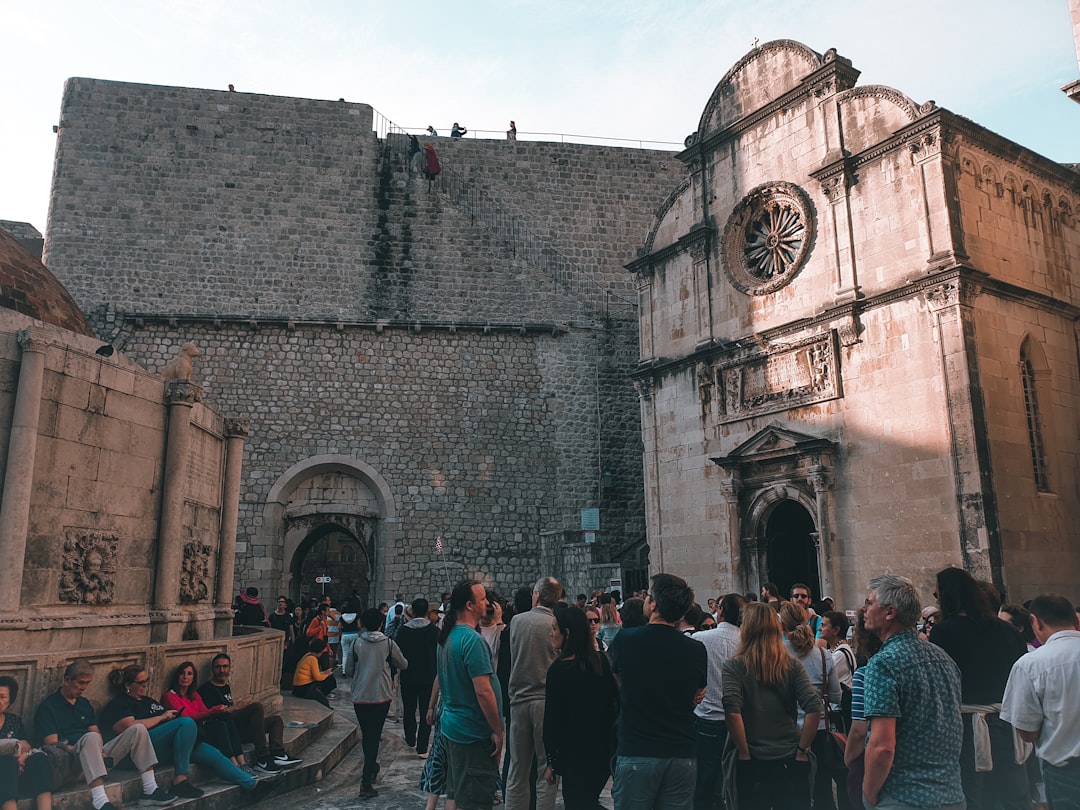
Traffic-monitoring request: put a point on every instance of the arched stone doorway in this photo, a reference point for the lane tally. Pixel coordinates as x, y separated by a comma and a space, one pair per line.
331, 511
332, 550
791, 548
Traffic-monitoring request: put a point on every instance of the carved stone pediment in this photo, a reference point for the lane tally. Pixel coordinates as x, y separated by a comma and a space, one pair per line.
774, 443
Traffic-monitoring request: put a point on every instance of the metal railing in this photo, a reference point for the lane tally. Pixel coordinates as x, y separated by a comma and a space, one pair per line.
521, 240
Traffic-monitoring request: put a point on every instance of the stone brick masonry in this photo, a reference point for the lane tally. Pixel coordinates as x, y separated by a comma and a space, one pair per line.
353, 310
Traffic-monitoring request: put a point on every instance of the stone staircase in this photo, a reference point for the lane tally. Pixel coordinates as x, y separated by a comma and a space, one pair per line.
311, 733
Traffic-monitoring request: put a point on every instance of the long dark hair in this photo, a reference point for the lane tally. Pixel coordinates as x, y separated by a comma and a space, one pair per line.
577, 639
174, 682
459, 598
960, 594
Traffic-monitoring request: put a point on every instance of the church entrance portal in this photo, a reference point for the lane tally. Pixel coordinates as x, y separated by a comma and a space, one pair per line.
790, 545
331, 551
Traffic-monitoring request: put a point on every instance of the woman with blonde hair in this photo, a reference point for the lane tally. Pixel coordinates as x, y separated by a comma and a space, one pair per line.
764, 690
820, 668
609, 623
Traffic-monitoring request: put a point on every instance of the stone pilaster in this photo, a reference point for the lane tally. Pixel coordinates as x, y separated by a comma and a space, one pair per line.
730, 490
821, 481
180, 396
980, 535
236, 431
19, 475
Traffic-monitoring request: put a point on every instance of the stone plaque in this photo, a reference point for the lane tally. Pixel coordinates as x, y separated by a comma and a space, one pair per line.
786, 378
205, 467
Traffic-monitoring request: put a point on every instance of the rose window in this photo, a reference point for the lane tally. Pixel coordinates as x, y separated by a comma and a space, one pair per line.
767, 238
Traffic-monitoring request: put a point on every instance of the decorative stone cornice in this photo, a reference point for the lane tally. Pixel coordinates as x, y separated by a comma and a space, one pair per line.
236, 427
29, 341
182, 392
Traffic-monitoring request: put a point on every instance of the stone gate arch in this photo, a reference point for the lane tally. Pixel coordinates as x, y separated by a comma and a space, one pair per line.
325, 494
784, 538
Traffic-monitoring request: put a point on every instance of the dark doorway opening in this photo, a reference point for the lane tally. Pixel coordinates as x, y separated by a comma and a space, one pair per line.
331, 551
790, 543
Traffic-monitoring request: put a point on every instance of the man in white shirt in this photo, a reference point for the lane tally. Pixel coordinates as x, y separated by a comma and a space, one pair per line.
1040, 698
710, 726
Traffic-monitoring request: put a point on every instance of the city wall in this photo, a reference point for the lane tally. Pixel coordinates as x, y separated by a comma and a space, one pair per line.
463, 344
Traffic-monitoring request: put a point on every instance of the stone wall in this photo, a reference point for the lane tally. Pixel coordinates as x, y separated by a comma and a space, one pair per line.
356, 311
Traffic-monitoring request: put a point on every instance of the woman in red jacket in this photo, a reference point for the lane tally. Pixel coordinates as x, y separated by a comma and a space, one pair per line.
216, 728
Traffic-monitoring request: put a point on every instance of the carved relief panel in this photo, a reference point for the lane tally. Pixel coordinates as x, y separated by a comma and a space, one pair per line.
89, 568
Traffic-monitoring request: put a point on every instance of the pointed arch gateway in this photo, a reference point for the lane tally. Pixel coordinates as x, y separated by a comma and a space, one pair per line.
780, 505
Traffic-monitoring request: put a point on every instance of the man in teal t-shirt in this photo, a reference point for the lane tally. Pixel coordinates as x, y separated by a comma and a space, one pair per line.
471, 723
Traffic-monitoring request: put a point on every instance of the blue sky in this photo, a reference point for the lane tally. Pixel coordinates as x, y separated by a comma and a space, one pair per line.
597, 68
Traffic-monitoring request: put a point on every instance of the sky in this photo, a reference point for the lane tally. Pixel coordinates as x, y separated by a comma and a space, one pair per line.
640, 70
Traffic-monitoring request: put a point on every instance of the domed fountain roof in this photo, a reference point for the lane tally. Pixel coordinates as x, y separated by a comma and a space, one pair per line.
26, 286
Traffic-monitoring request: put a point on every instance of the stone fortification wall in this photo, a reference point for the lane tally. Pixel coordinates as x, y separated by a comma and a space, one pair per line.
364, 312
461, 426
266, 206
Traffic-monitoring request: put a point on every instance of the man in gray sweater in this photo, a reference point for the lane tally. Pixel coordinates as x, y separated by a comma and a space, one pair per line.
531, 653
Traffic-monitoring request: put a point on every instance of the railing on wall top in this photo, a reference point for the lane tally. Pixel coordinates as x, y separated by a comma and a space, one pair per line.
523, 242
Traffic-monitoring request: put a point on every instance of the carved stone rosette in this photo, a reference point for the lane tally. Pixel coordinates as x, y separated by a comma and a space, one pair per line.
88, 576
767, 237
195, 573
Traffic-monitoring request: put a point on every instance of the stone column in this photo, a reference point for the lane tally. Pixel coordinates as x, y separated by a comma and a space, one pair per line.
19, 475
180, 395
819, 478
737, 564
236, 430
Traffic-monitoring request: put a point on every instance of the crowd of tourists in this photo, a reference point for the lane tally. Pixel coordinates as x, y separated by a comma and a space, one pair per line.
748, 702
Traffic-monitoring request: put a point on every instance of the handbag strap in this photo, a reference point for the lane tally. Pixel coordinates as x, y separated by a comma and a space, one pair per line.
824, 681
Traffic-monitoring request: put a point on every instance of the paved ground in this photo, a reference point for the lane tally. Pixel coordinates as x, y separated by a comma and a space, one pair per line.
398, 782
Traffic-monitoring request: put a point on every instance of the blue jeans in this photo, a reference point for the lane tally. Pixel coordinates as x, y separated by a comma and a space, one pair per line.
176, 739
209, 757
643, 783
710, 736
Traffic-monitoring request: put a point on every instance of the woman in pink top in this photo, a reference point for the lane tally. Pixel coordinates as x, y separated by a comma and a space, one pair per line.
216, 728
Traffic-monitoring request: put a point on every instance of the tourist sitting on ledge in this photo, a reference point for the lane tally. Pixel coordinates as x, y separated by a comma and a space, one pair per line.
250, 718
21, 773
311, 682
67, 717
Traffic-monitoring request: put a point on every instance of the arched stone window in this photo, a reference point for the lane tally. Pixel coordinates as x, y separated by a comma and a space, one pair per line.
1031, 362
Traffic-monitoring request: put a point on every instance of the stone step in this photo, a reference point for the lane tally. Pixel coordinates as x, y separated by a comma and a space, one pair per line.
310, 733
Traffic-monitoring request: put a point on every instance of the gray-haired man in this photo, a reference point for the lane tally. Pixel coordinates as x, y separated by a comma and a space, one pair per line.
531, 654
912, 700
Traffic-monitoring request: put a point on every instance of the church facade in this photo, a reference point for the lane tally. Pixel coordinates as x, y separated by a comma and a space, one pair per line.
858, 343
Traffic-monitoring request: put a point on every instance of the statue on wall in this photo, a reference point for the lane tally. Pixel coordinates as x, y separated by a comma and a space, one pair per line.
88, 568
180, 367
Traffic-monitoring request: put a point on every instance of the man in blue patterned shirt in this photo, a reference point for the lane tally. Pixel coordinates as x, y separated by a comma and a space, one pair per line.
912, 700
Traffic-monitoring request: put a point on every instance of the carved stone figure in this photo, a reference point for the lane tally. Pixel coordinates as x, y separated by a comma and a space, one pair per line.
88, 568
180, 367
195, 577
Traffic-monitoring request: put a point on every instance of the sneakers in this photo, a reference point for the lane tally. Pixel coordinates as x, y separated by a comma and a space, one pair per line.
250, 771
186, 790
267, 766
367, 792
285, 761
159, 798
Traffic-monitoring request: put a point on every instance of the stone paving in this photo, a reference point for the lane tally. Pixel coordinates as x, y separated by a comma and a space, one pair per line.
398, 782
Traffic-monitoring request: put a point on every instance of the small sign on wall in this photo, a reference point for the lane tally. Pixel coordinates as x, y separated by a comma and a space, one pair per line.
590, 520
